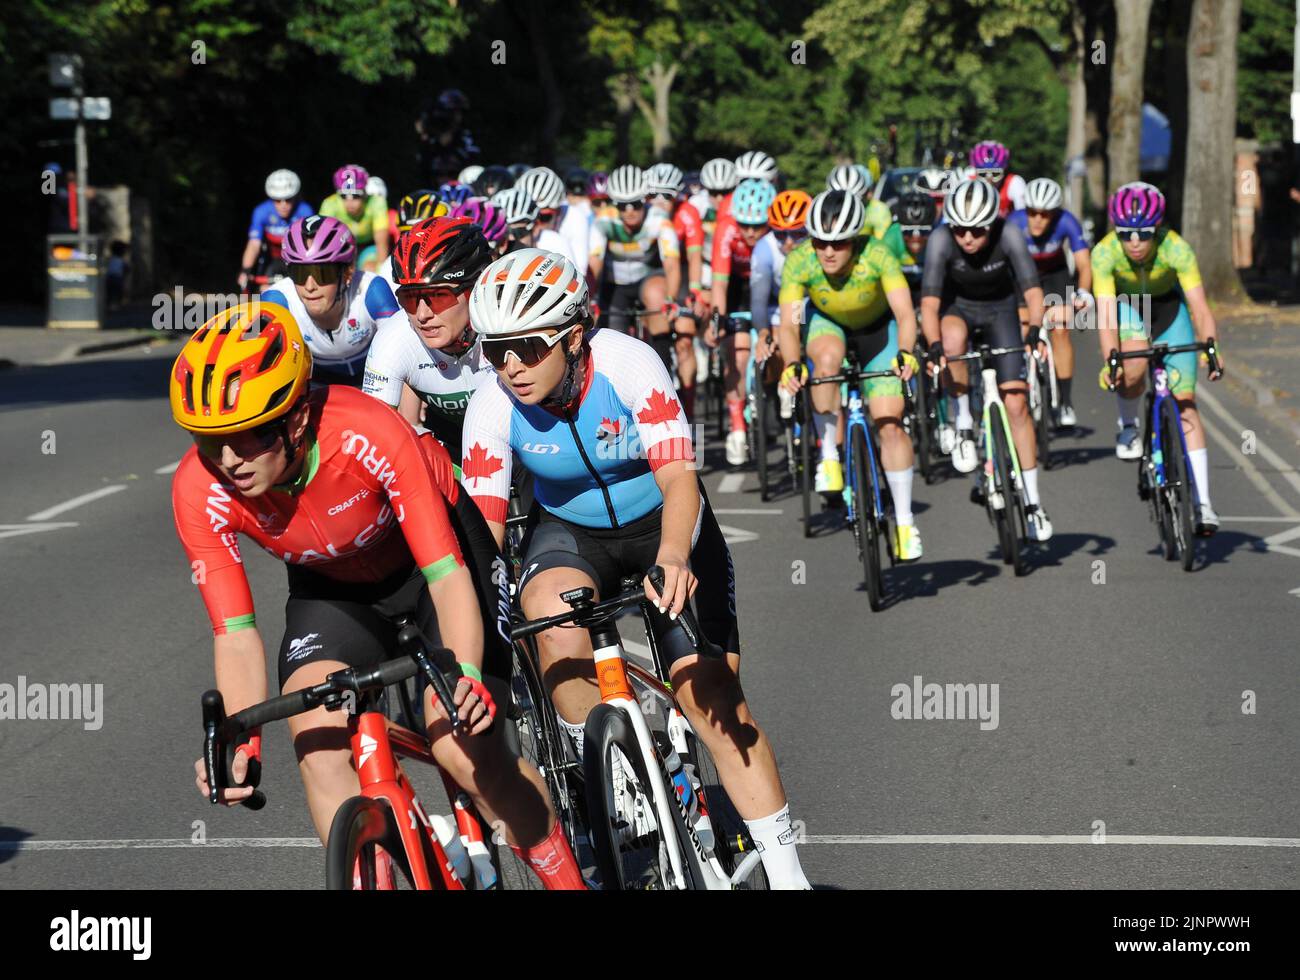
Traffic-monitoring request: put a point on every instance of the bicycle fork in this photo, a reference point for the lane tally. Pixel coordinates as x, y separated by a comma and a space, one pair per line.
992, 400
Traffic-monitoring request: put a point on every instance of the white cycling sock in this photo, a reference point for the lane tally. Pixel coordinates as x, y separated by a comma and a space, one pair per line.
575, 733
900, 488
827, 425
1031, 485
1201, 473
1128, 411
964, 420
774, 836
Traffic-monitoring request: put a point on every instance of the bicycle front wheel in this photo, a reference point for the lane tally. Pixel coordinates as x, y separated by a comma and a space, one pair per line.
864, 516
921, 427
807, 440
365, 850
1178, 482
1042, 412
1009, 515
758, 429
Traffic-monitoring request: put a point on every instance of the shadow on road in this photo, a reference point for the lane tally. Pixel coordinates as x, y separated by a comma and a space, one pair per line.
85, 381
1219, 549
928, 578
1063, 546
10, 836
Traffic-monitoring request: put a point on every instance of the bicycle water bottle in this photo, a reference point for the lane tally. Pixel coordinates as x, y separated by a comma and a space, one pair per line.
703, 825
785, 402
450, 841
471, 837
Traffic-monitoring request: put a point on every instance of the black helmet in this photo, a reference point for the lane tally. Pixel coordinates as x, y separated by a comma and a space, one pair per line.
575, 182
517, 170
492, 179
915, 210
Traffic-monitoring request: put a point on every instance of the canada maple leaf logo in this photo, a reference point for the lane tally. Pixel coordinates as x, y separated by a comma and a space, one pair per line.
609, 431
659, 408
480, 464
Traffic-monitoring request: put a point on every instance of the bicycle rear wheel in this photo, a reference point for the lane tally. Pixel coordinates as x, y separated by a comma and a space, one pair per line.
363, 828
1178, 479
806, 440
631, 848
1042, 411
864, 519
758, 430
1010, 516
922, 432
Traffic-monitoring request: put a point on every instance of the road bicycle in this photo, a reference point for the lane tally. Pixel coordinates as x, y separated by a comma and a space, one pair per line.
387, 817
659, 817
1165, 477
870, 507
928, 419
1044, 399
1003, 486
715, 386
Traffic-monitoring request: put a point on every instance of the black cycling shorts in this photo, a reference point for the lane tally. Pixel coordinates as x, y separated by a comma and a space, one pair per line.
617, 300
999, 324
607, 555
353, 622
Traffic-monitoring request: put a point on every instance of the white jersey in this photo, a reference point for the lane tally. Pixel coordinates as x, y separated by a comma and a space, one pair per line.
368, 303
575, 228
550, 240
399, 357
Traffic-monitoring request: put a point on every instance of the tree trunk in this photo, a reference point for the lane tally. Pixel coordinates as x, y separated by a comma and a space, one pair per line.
1208, 193
1128, 62
1099, 32
622, 88
658, 114
1076, 133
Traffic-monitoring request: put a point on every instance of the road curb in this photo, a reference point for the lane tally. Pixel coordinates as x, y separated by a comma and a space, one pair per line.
110, 345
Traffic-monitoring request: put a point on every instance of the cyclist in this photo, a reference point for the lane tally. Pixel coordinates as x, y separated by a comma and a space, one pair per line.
455, 194
666, 183
489, 218
915, 222
368, 257
427, 363
1155, 270
618, 496
598, 195
337, 307
413, 208
1048, 229
365, 215
271, 219
370, 525
990, 160
930, 182
757, 165
493, 178
640, 250
787, 217
974, 265
524, 223
856, 180
544, 186
469, 174
733, 242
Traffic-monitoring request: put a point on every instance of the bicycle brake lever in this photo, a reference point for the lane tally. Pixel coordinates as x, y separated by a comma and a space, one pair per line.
214, 713
410, 639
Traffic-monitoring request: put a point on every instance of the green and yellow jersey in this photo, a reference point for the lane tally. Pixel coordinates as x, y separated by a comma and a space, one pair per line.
1171, 263
853, 301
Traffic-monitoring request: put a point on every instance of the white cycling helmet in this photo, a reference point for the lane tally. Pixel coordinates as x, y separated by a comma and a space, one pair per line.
835, 216
375, 187
973, 203
627, 184
756, 164
469, 174
847, 177
930, 181
283, 185
544, 186
1043, 194
528, 289
664, 178
517, 205
719, 175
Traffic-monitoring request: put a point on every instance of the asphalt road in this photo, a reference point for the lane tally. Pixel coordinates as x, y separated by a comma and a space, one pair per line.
1121, 679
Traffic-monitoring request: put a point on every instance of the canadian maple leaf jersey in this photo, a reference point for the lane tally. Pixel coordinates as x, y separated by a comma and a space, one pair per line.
368, 302
398, 356
594, 466
371, 499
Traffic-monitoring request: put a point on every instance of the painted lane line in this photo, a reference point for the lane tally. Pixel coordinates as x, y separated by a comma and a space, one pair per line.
14, 530
1147, 839
171, 468
735, 535
85, 498
1233, 450
1259, 520
731, 483
11, 846
1284, 469
756, 510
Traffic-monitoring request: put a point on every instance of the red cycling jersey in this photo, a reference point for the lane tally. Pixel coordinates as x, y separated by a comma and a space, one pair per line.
730, 252
689, 227
365, 465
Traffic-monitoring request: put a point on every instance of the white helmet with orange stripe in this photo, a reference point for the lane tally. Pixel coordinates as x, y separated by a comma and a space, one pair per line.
529, 289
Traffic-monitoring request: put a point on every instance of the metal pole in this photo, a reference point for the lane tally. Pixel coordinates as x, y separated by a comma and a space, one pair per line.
83, 218
1295, 136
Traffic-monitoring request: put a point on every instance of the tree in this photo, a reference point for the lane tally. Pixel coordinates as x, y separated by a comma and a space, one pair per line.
1208, 193
1128, 60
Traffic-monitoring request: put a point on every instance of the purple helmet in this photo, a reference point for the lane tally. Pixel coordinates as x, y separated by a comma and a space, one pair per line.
351, 179
455, 193
487, 216
1136, 205
598, 184
990, 155
318, 239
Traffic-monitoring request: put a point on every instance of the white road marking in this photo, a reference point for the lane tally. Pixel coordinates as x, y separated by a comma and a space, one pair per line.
731, 483
735, 535
67, 505
752, 510
157, 842
169, 468
1285, 469
14, 530
1277, 542
1249, 468
1259, 520
1149, 839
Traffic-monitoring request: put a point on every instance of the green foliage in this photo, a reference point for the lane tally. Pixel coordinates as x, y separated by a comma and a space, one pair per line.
1264, 70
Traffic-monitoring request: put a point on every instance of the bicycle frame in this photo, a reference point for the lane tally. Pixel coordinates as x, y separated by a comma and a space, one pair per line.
1160, 393
993, 405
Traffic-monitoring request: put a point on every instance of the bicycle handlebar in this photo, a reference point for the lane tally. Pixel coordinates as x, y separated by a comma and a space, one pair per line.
1160, 352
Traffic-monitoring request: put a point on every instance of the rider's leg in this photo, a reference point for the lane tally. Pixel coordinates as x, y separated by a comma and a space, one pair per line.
322, 744
825, 348
654, 293
956, 379
685, 347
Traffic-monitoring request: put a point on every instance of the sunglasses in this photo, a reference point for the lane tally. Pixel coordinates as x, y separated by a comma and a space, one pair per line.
520, 231
972, 232
790, 236
1038, 213
761, 226
530, 349
284, 200
440, 298
821, 245
915, 231
325, 273
632, 206
993, 175
352, 195
263, 439
1136, 234
546, 214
